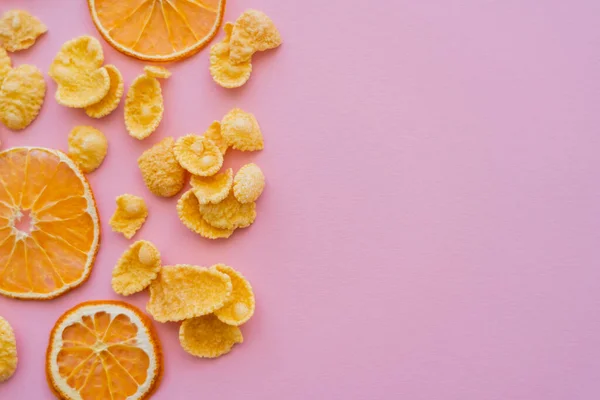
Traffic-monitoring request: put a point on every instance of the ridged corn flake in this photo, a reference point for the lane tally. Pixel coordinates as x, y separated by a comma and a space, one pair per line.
188, 210
208, 337
8, 351
5, 64
240, 307
160, 170
229, 213
212, 189
112, 99
198, 155
253, 31
248, 184
136, 269
241, 131
19, 30
214, 133
21, 96
143, 107
222, 70
155, 71
87, 147
129, 216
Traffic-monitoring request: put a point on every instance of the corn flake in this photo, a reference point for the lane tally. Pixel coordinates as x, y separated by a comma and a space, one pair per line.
208, 337
229, 213
19, 30
162, 173
253, 31
241, 306
214, 133
5, 64
212, 189
136, 268
112, 99
198, 155
188, 210
241, 131
248, 184
8, 350
21, 96
222, 70
129, 216
154, 71
143, 107
87, 147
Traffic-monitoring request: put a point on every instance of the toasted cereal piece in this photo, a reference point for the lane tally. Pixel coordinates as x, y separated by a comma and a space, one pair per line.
248, 184
229, 213
112, 99
5, 65
8, 351
198, 155
214, 133
241, 131
162, 173
155, 71
212, 189
241, 306
188, 211
208, 337
187, 291
143, 107
253, 31
129, 216
136, 268
19, 30
21, 96
222, 70
87, 147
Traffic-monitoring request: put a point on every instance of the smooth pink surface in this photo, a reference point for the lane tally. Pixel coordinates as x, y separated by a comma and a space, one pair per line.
430, 227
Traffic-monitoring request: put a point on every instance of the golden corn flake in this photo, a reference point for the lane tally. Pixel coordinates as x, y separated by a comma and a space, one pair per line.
241, 131
5, 64
241, 306
229, 214
223, 72
212, 189
112, 99
87, 147
8, 350
154, 71
214, 133
129, 216
198, 154
253, 31
136, 268
21, 96
188, 210
248, 184
162, 173
19, 30
187, 291
208, 337
143, 107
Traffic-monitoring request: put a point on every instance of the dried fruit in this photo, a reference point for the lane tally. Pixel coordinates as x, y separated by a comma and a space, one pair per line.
103, 350
198, 155
188, 211
208, 337
157, 72
241, 306
136, 268
8, 351
248, 184
5, 65
253, 31
161, 172
21, 96
241, 131
143, 107
222, 70
129, 216
214, 133
87, 147
229, 213
19, 30
186, 291
212, 189
112, 99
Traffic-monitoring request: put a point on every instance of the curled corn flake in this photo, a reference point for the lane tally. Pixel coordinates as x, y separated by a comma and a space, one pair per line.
129, 216
222, 70
241, 131
143, 107
248, 184
21, 96
188, 211
111, 101
214, 133
136, 268
187, 291
5, 64
8, 350
162, 173
229, 214
87, 147
19, 30
212, 189
240, 307
198, 154
253, 31
208, 337
154, 71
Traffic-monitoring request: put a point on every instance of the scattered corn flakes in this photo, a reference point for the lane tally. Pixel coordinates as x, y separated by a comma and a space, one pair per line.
198, 155
8, 351
21, 96
253, 31
222, 70
136, 268
19, 30
162, 173
187, 291
248, 184
154, 71
229, 213
112, 99
212, 189
129, 216
241, 131
87, 147
214, 133
188, 210
241, 306
143, 107
208, 337
5, 64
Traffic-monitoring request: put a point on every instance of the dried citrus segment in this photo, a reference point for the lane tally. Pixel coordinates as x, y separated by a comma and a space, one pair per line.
212, 189
143, 107
186, 291
248, 184
21, 96
198, 154
162, 173
136, 268
5, 64
129, 216
19, 30
208, 337
103, 350
188, 211
8, 351
112, 99
157, 72
87, 147
241, 306
253, 31
222, 70
229, 213
214, 133
52, 230
241, 131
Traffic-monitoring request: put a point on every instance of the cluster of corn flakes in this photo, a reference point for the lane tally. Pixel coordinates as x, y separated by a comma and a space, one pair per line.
144, 103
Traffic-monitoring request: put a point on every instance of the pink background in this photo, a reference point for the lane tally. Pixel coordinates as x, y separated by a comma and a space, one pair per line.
431, 222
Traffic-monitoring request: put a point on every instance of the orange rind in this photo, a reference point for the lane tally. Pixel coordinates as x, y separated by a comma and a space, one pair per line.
208, 337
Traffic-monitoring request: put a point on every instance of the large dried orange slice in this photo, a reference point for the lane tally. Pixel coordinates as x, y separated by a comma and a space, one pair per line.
49, 229
157, 30
103, 350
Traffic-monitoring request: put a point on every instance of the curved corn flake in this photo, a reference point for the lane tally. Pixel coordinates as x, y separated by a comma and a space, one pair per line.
214, 133
229, 214
8, 351
248, 184
222, 70
5, 64
198, 155
112, 99
154, 71
253, 31
241, 306
19, 30
212, 189
241, 131
143, 107
136, 269
87, 147
129, 216
21, 96
162, 173
187, 291
188, 210
208, 337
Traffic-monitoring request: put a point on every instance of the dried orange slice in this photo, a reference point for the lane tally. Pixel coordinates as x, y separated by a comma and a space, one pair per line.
157, 30
103, 350
49, 229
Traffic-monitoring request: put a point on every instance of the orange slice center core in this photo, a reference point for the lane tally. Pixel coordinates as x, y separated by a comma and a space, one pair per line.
24, 222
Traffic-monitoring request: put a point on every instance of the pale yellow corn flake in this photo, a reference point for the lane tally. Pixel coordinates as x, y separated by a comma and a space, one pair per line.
8, 351
214, 133
208, 337
188, 210
212, 189
155, 71
136, 268
112, 99
19, 30
222, 70
187, 291
160, 170
253, 31
249, 183
241, 306
198, 155
241, 131
229, 213
143, 107
5, 64
21, 96
87, 147
129, 216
